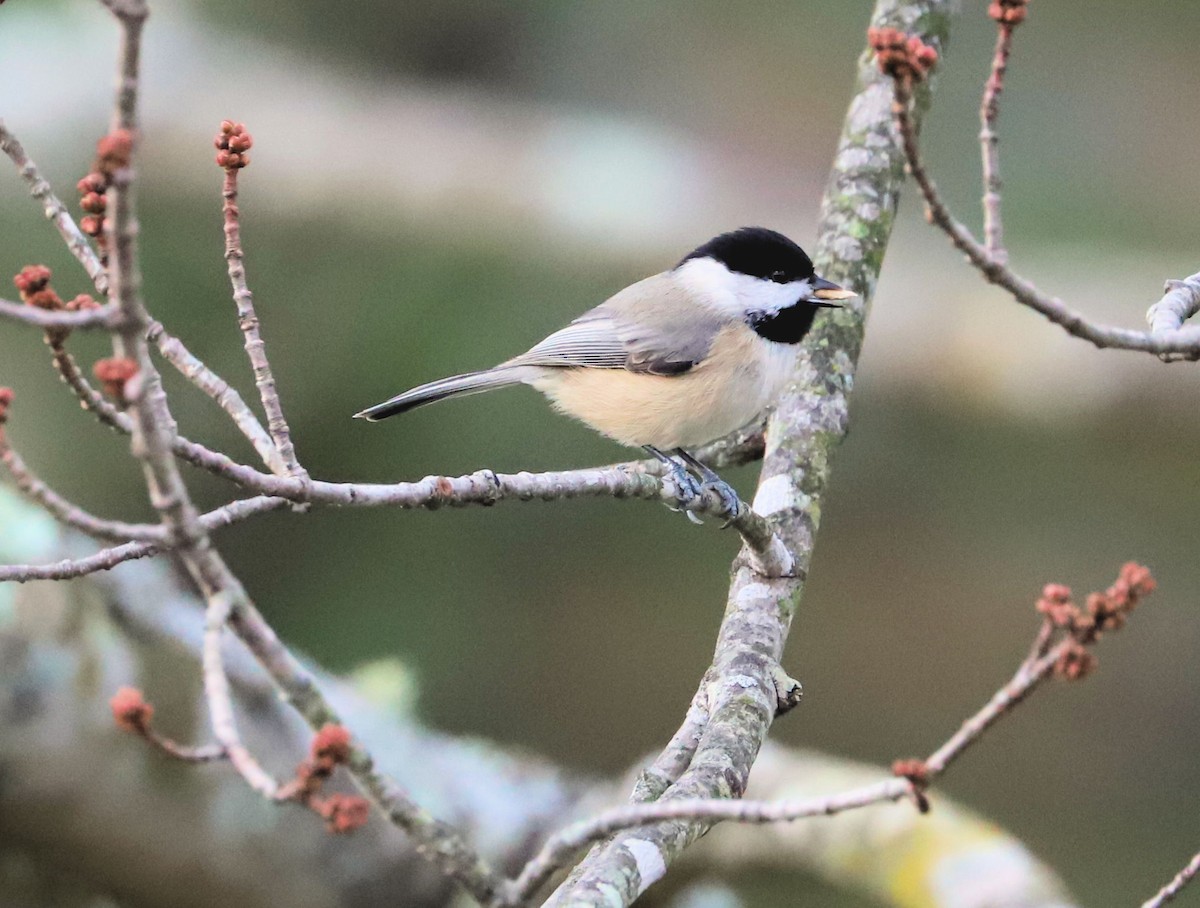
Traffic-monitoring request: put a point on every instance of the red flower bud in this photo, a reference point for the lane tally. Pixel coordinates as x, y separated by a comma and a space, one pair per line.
343, 813
93, 202
114, 151
130, 710
93, 182
331, 745
31, 279
114, 373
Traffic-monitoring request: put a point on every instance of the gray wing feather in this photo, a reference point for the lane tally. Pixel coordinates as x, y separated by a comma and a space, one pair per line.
591, 344
667, 338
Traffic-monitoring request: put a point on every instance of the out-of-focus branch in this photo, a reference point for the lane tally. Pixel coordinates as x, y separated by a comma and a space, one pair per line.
742, 687
256, 349
220, 701
133, 714
1173, 888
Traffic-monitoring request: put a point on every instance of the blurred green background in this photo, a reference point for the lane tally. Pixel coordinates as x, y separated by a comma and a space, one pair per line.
435, 186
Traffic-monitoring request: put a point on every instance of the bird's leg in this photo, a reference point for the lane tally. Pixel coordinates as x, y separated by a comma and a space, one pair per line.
730, 502
679, 484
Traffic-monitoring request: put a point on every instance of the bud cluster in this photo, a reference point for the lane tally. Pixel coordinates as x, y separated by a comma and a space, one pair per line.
232, 143
329, 749
1009, 12
113, 153
901, 56
33, 283
1105, 611
130, 710
114, 375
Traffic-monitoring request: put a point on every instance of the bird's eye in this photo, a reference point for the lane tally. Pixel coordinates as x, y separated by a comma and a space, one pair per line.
779, 277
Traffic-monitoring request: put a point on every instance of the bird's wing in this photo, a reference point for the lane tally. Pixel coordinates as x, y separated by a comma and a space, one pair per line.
663, 339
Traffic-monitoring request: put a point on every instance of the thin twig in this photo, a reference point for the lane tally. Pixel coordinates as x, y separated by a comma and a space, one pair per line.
69, 568
226, 397
67, 512
256, 350
1183, 341
989, 110
56, 212
1173, 888
89, 398
186, 753
481, 488
109, 558
104, 317
220, 701
1077, 630
186, 450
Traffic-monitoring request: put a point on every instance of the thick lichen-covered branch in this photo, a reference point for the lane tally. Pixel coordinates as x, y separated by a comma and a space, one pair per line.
810, 421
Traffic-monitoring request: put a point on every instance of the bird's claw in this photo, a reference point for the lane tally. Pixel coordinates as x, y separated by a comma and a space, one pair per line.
688, 493
731, 504
691, 495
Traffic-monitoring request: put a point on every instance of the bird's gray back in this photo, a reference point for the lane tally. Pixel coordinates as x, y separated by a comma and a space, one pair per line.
652, 326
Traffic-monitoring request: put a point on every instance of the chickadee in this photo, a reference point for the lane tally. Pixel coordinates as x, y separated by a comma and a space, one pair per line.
675, 360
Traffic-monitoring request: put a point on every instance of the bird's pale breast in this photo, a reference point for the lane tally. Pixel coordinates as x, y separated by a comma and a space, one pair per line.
739, 379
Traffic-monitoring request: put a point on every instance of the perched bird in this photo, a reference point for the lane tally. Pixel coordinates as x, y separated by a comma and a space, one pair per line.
675, 360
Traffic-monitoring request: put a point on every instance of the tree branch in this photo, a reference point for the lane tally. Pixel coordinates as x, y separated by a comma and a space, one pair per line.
1173, 888
67, 512
1169, 340
104, 317
810, 420
226, 397
220, 701
56, 212
256, 349
989, 110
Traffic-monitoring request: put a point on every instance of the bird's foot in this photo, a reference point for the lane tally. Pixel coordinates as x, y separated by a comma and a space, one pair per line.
679, 486
730, 504
686, 490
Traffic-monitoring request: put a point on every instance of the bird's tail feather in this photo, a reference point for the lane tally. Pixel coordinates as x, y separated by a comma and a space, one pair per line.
454, 386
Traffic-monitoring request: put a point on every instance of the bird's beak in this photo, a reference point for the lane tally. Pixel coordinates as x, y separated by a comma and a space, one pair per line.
827, 293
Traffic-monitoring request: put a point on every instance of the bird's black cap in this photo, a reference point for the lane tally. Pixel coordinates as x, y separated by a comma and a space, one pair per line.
758, 252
